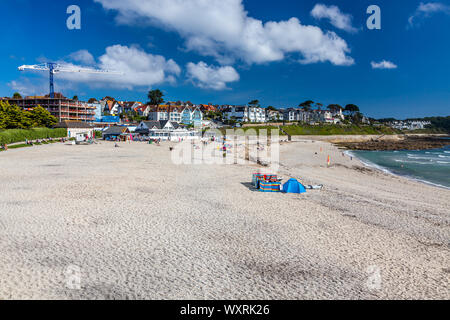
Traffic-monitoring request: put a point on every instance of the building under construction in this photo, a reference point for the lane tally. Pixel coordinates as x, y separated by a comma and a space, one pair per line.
60, 107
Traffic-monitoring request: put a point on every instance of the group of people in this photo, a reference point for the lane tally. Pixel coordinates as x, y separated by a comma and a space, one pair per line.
4, 147
40, 141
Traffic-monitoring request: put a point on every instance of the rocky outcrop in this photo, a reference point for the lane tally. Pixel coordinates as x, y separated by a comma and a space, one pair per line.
407, 143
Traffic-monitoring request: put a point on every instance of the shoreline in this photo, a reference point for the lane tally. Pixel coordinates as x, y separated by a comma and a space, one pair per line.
383, 169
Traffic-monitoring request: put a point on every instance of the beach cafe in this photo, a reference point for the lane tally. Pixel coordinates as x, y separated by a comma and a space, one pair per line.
115, 133
165, 130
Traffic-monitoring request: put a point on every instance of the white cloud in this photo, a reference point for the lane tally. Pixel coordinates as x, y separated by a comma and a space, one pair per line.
211, 77
83, 56
337, 18
426, 10
223, 29
383, 65
138, 68
26, 87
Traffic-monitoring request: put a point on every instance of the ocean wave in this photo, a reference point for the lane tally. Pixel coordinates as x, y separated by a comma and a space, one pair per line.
369, 163
419, 158
412, 162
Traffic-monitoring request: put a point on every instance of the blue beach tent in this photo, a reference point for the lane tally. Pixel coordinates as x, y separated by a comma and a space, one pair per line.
293, 186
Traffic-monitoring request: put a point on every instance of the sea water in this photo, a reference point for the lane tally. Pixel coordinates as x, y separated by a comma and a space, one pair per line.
429, 166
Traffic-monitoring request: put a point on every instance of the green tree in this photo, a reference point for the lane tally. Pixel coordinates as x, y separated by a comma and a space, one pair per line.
4, 116
334, 107
75, 98
14, 117
307, 105
17, 95
254, 103
133, 116
358, 117
17, 118
270, 108
352, 109
92, 100
155, 97
40, 117
211, 115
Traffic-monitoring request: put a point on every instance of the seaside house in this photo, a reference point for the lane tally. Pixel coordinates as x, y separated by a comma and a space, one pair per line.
274, 115
289, 114
164, 130
114, 132
256, 114
409, 125
158, 113
311, 117
142, 111
205, 108
191, 116
175, 114
129, 106
75, 128
296, 114
238, 113
244, 114
197, 117
111, 107
165, 112
97, 106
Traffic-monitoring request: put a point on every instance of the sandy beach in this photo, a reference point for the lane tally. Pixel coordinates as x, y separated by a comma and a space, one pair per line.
140, 227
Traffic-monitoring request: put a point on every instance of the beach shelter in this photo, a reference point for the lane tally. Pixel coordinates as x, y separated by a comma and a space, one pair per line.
293, 186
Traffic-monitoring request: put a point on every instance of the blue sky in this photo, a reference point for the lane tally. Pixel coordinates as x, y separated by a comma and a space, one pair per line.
234, 51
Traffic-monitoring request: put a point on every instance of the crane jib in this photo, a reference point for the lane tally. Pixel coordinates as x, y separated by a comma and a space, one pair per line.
54, 68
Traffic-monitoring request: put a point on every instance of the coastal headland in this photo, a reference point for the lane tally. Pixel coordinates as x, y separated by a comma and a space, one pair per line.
391, 143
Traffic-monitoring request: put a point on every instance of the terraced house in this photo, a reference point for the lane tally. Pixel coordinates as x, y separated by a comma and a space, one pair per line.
111, 107
192, 116
244, 114
164, 130
313, 116
165, 112
179, 114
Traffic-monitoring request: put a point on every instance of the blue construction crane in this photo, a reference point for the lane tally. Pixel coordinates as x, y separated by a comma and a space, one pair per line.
54, 68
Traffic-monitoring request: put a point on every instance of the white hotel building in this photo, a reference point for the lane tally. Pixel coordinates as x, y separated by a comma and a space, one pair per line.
245, 114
